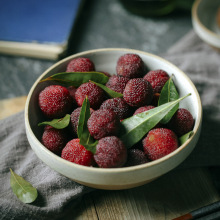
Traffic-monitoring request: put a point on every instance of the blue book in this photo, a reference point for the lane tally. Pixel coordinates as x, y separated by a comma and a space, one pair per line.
37, 28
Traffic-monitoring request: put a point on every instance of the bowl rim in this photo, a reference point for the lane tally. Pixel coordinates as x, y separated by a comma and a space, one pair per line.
121, 169
197, 20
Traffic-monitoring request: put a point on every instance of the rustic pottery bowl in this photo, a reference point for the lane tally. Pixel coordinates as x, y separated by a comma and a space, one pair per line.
114, 178
206, 21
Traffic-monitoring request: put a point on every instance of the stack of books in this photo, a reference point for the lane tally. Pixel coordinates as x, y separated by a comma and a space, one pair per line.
37, 28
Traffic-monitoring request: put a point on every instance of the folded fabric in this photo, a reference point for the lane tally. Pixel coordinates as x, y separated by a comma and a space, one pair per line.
57, 194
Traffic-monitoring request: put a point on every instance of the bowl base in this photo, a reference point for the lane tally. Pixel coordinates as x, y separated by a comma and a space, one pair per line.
114, 187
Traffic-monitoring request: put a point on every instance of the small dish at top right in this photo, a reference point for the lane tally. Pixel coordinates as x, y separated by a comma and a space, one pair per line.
206, 21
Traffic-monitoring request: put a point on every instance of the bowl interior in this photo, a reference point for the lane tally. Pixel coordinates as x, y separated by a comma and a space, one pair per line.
207, 14
206, 21
106, 60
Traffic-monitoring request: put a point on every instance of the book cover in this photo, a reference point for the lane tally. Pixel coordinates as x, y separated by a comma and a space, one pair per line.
36, 28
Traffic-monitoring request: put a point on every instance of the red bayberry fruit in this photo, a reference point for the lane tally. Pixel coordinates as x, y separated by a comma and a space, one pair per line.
110, 152
76, 153
138, 92
117, 83
74, 118
159, 143
157, 79
55, 101
130, 65
136, 157
119, 106
72, 91
94, 93
102, 123
181, 122
54, 139
143, 109
80, 64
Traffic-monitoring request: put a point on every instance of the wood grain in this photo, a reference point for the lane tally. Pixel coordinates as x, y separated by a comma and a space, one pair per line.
170, 196
86, 209
11, 106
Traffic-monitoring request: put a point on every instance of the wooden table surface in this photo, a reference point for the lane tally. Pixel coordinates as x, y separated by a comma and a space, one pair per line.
172, 195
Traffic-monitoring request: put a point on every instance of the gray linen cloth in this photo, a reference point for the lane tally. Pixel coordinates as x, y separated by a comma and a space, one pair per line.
57, 194
202, 64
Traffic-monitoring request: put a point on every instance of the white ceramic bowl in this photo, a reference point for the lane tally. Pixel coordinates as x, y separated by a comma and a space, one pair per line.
114, 178
204, 19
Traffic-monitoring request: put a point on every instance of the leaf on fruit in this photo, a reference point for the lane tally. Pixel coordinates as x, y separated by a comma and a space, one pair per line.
90, 145
22, 188
111, 93
168, 94
58, 123
134, 128
77, 78
83, 118
185, 137
82, 130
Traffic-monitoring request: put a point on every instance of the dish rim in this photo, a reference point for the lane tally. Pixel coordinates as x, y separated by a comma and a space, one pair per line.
196, 19
121, 169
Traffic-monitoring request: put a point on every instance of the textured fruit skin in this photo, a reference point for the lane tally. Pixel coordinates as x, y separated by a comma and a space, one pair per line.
143, 109
159, 143
135, 157
157, 79
94, 93
182, 122
54, 139
110, 152
76, 153
102, 123
55, 101
119, 106
138, 92
130, 65
72, 91
117, 83
80, 64
74, 119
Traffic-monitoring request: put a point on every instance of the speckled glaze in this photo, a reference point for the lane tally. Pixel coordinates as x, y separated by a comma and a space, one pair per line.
114, 178
204, 14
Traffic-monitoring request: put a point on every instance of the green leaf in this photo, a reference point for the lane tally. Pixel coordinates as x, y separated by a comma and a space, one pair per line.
168, 94
78, 78
22, 189
82, 130
134, 128
110, 92
58, 123
91, 146
185, 137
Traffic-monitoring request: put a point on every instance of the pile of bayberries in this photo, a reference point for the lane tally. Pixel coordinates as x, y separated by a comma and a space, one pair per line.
135, 91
